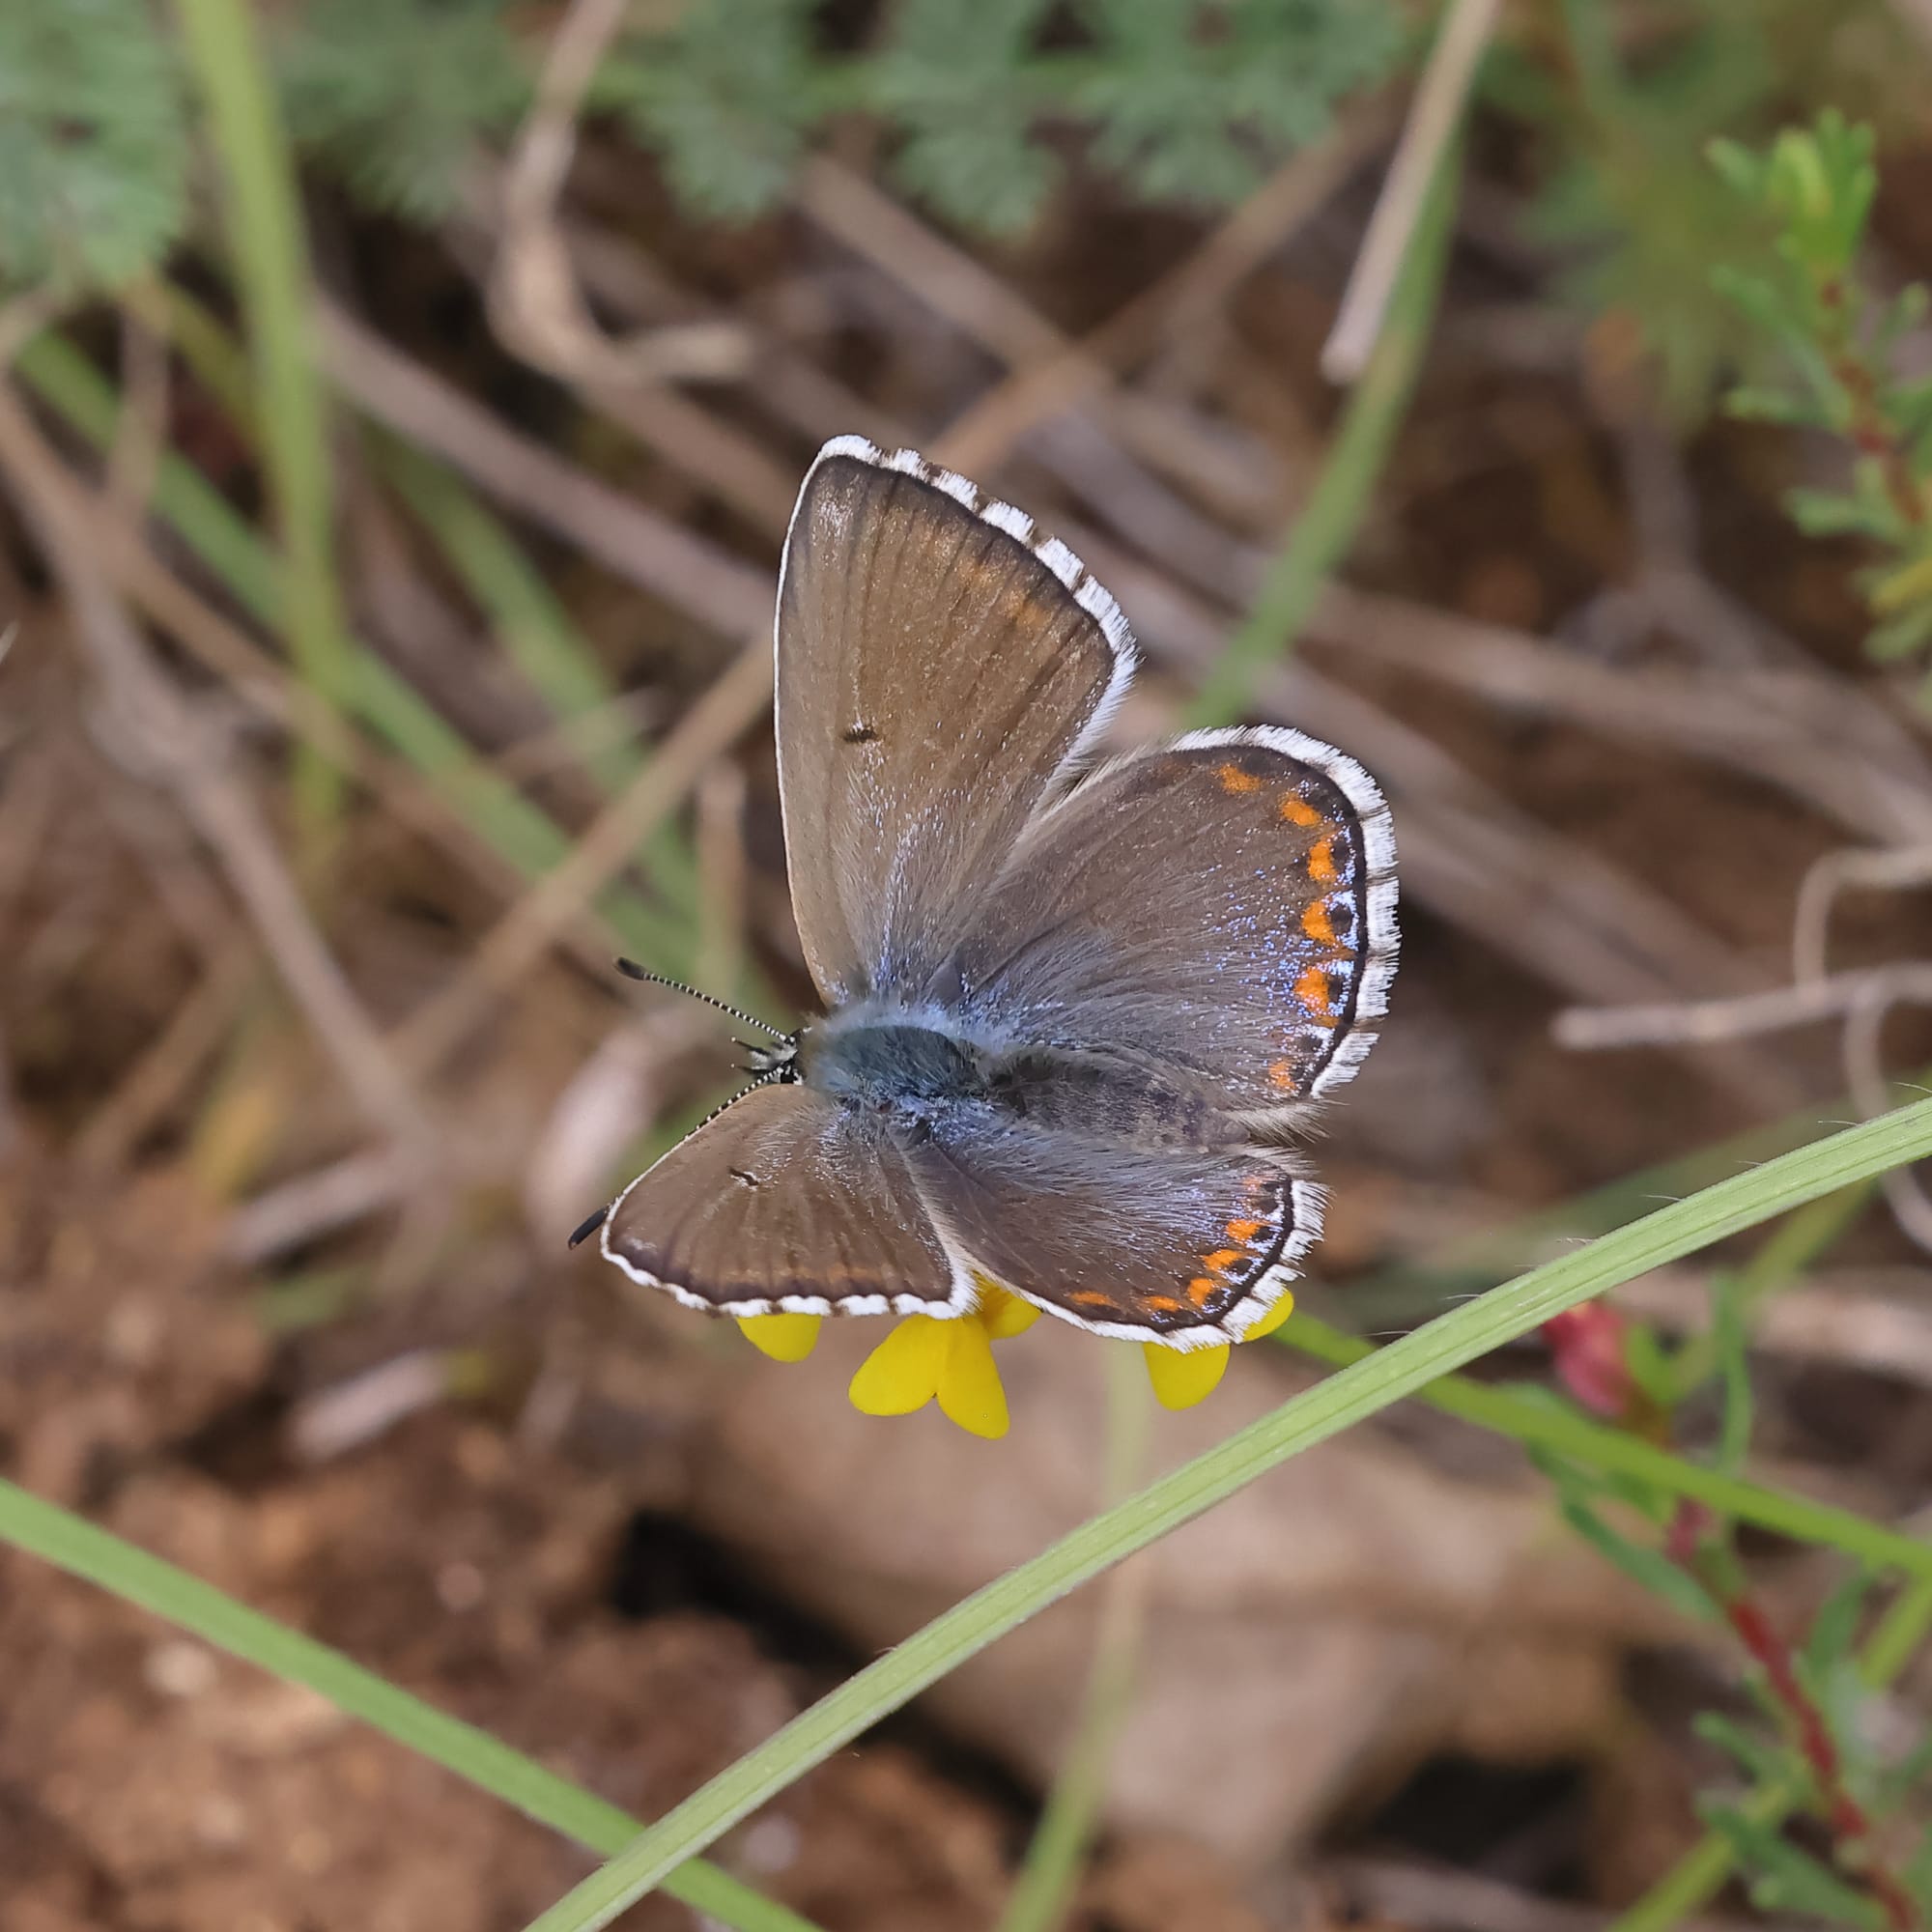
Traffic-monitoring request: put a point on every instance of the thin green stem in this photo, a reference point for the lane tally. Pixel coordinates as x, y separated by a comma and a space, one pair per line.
271, 266
1051, 1867
1900, 1633
81, 1549
1327, 527
1389, 1374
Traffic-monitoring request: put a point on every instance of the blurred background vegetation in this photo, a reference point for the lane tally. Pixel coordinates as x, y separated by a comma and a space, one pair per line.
402, 403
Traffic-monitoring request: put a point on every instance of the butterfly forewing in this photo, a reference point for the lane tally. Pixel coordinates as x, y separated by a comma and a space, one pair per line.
786, 1201
939, 667
1224, 905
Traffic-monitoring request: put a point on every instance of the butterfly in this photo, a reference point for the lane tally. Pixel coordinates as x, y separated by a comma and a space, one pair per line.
1074, 1009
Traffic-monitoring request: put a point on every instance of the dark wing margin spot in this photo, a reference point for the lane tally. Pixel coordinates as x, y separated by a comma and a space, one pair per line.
591, 1224
859, 734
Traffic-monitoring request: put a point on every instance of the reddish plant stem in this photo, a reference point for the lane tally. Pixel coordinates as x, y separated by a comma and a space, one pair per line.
1855, 1847
1869, 433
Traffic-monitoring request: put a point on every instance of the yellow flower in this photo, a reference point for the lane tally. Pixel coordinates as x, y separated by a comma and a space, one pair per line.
952, 1359
785, 1338
1181, 1381
923, 1358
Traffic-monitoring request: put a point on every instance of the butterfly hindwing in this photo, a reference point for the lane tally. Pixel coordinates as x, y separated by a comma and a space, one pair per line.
1189, 1246
1223, 905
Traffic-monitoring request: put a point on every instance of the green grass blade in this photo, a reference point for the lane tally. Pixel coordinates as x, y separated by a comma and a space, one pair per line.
1359, 1391
271, 266
81, 1549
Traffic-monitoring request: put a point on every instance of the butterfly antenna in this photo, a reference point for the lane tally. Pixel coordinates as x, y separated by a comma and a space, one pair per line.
631, 970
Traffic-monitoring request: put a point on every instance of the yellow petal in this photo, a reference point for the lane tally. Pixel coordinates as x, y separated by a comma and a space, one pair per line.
1181, 1381
1005, 1315
970, 1391
785, 1338
1273, 1319
902, 1373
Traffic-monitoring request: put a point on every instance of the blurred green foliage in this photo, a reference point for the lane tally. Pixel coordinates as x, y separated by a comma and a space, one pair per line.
1810, 192
1181, 101
93, 144
1620, 105
391, 94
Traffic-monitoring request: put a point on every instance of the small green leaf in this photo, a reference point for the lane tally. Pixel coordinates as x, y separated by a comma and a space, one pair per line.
1738, 168
1753, 404
1900, 637
1782, 1878
1828, 513
1836, 1627
1651, 1567
1650, 1364
1759, 1759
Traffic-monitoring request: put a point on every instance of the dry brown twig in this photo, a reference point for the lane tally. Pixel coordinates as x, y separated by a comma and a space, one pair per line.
632, 541
1860, 1001
140, 431
159, 1076
535, 304
1698, 1022
1837, 872
1432, 124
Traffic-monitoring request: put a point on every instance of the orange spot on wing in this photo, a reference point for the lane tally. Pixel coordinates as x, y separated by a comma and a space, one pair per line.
1164, 1304
1234, 779
1312, 990
1201, 1291
1221, 1260
1281, 1074
1322, 861
1089, 1297
1244, 1231
1317, 925
1298, 811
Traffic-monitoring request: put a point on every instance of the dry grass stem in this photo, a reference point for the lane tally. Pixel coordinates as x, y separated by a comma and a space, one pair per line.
535, 304
633, 542
1430, 126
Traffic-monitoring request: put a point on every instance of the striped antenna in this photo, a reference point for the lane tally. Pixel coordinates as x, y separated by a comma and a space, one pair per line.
631, 970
